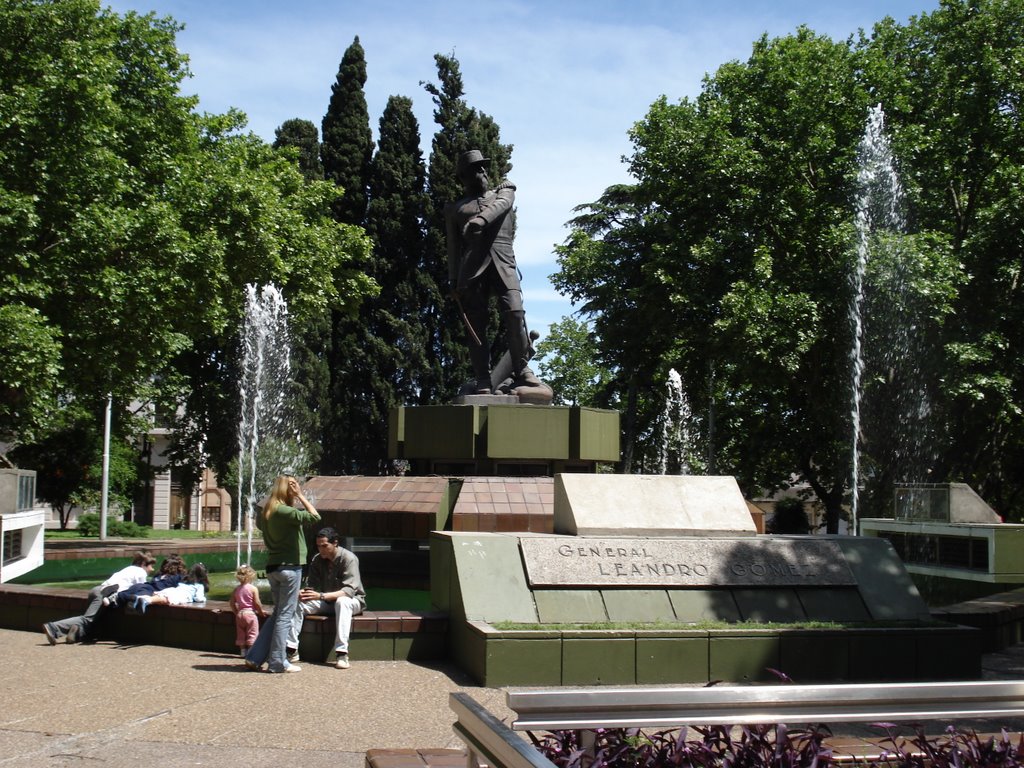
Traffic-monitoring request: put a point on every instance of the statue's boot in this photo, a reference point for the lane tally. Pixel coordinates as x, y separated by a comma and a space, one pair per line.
524, 382
480, 358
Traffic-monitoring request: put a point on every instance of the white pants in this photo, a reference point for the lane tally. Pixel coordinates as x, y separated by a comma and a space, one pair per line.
344, 608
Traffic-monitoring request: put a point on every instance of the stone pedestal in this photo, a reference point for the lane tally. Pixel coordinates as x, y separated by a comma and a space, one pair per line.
484, 437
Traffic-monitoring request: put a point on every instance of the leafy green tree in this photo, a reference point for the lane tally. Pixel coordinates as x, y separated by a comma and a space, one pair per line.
602, 266
266, 224
29, 383
129, 225
568, 362
69, 465
745, 274
460, 128
301, 135
951, 85
92, 122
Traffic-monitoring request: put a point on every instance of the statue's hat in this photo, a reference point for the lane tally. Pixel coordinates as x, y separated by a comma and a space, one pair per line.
468, 159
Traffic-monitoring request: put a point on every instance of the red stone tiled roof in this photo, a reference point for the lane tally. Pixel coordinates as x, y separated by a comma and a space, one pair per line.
378, 494
411, 507
505, 504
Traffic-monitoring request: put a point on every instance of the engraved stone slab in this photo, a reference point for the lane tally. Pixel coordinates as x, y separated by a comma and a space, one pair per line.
649, 505
724, 562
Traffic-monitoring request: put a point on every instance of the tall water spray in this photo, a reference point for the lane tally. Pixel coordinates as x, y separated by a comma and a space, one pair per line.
879, 206
267, 443
675, 426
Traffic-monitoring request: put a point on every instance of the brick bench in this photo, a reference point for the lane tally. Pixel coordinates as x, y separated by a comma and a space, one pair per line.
415, 758
380, 635
210, 626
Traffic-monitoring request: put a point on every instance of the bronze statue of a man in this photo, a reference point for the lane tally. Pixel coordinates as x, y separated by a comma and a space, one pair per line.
481, 262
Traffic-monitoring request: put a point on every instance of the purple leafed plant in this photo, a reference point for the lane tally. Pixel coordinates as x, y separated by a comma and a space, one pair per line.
774, 746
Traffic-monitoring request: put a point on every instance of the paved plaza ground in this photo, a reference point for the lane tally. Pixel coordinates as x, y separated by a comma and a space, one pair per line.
110, 705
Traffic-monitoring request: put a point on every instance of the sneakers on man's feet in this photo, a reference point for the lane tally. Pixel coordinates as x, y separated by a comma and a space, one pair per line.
342, 662
293, 655
292, 668
252, 665
72, 635
51, 636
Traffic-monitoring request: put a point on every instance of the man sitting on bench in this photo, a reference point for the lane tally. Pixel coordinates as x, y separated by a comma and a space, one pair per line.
334, 587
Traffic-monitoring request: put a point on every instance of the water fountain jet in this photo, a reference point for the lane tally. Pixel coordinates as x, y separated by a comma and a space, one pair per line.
267, 442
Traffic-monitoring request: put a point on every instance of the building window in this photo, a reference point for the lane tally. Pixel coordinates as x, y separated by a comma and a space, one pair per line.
211, 514
946, 551
12, 546
26, 492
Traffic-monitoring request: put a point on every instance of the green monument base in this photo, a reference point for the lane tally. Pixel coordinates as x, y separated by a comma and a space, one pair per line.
503, 439
688, 610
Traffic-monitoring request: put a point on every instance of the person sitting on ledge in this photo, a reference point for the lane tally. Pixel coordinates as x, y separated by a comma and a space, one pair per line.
192, 590
334, 587
79, 628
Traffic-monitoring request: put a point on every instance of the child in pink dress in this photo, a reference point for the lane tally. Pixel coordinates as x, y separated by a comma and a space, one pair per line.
245, 602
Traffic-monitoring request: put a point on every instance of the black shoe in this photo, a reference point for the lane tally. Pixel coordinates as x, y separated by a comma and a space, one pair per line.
51, 636
72, 635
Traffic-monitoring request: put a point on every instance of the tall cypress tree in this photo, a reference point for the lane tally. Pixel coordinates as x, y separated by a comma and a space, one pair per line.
460, 128
347, 141
383, 346
396, 221
346, 152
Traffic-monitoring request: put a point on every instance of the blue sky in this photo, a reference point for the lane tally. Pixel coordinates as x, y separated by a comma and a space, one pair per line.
565, 81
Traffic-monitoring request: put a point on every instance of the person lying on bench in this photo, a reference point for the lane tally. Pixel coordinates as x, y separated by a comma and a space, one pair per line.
192, 590
78, 628
172, 572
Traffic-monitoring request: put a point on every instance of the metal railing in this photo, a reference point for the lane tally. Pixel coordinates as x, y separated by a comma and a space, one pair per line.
489, 741
586, 709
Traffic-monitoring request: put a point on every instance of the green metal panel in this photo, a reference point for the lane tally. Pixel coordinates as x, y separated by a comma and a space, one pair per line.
441, 431
815, 656
524, 662
369, 648
1006, 552
421, 646
671, 660
443, 519
949, 654
557, 606
886, 654
609, 660
527, 432
396, 433
441, 572
738, 657
595, 434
